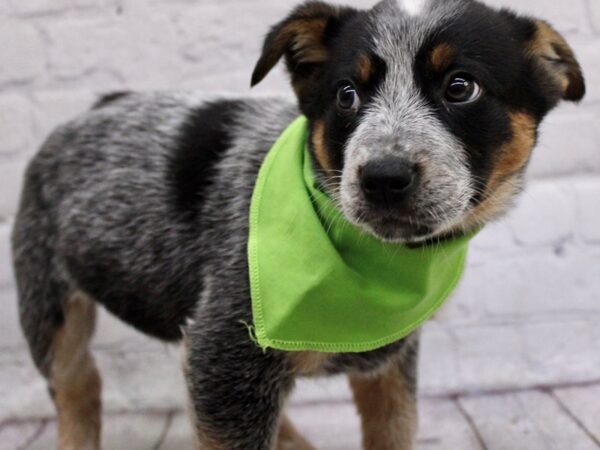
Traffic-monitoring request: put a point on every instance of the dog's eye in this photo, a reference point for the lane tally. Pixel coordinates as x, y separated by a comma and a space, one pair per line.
462, 89
347, 98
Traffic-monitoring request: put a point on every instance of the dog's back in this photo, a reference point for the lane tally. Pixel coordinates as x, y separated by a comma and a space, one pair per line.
117, 204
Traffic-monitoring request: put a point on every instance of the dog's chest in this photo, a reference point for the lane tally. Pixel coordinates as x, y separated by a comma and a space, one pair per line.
310, 363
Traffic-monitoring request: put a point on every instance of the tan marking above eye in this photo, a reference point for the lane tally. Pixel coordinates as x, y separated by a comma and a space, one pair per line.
441, 57
364, 68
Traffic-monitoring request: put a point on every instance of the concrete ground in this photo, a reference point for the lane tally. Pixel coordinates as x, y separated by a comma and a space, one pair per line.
492, 407
557, 418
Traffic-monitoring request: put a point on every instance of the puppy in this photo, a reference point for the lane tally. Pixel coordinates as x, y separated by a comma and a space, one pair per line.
142, 204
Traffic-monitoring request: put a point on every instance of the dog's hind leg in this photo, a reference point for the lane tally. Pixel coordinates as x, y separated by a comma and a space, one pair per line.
58, 324
74, 379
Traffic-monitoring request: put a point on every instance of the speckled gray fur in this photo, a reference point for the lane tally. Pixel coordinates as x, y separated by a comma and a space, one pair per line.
96, 191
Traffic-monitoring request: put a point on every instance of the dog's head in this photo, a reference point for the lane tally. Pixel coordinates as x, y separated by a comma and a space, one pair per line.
422, 114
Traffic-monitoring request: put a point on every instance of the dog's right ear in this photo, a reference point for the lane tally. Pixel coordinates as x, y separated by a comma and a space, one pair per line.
304, 38
557, 60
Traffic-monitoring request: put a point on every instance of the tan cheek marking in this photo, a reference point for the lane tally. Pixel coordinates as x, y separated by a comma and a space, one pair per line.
321, 153
503, 182
493, 206
515, 154
364, 68
308, 363
441, 57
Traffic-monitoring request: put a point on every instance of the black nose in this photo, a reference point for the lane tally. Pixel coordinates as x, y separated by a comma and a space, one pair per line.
389, 181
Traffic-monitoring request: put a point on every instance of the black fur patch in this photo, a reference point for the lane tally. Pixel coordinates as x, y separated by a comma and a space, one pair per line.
202, 140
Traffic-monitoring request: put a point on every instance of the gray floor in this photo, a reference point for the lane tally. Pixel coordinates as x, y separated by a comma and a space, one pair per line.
560, 418
539, 392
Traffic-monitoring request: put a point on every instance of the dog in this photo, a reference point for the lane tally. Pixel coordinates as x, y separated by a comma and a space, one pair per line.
142, 204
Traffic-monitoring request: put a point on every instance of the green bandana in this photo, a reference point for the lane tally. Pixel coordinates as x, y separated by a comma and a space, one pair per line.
317, 281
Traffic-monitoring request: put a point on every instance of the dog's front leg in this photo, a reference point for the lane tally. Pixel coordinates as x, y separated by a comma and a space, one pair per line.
236, 390
387, 402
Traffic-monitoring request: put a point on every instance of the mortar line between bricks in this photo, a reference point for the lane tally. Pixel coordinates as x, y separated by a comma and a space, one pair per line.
152, 412
165, 432
589, 16
124, 347
34, 437
513, 390
573, 417
452, 394
71, 12
556, 318
472, 425
17, 85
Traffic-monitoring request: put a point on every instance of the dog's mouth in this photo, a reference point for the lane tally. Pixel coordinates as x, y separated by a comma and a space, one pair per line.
400, 228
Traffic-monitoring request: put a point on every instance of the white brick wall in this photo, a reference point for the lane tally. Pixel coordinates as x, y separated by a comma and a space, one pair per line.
527, 310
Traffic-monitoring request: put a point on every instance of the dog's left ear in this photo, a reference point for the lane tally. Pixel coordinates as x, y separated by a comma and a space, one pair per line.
561, 74
304, 37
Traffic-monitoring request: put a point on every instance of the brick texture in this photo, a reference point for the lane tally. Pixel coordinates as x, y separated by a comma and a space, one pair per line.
595, 10
587, 192
568, 144
22, 52
526, 312
11, 175
46, 7
15, 124
6, 274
